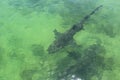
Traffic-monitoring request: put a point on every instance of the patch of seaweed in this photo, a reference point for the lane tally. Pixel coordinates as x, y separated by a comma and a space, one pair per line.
1, 55
27, 74
108, 31
37, 50
88, 62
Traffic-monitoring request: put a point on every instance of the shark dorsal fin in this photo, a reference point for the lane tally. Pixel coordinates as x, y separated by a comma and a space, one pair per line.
57, 34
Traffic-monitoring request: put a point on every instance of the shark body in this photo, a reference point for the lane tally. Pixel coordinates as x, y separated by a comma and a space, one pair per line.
63, 39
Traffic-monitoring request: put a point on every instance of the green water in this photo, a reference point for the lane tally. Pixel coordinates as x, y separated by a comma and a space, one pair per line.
26, 31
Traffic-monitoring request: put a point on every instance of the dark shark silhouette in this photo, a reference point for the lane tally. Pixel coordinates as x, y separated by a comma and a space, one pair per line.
63, 39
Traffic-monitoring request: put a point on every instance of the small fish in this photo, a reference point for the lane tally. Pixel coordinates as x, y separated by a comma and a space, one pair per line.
64, 39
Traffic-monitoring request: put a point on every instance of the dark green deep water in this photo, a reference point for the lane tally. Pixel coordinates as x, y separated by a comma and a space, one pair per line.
26, 31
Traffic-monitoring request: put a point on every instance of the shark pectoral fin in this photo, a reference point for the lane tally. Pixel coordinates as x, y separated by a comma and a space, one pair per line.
57, 34
73, 46
70, 47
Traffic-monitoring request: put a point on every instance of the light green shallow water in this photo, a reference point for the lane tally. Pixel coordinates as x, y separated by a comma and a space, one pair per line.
26, 31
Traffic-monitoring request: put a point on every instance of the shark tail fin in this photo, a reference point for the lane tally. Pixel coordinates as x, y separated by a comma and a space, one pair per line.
88, 16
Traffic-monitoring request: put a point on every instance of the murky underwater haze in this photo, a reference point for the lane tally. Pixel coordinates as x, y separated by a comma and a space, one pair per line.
26, 31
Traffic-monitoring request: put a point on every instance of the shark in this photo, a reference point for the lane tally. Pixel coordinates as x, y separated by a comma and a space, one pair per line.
66, 38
